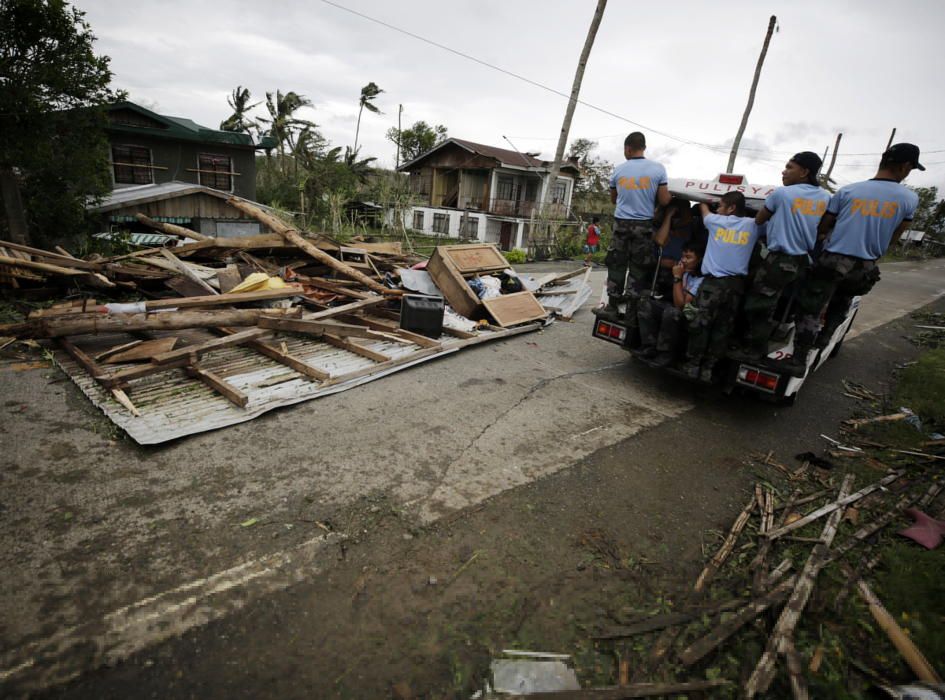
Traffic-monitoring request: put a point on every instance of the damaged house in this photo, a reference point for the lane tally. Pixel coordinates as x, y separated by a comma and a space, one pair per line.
177, 172
475, 192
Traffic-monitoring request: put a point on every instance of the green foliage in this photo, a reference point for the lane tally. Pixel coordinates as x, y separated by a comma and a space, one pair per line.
52, 96
417, 139
239, 103
922, 387
516, 256
592, 191
368, 94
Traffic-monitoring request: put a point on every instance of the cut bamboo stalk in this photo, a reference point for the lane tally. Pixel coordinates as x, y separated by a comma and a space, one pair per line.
171, 229
764, 671
795, 667
726, 549
910, 653
833, 507
293, 236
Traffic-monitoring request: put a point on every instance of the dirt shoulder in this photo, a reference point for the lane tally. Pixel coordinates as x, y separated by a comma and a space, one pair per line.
537, 567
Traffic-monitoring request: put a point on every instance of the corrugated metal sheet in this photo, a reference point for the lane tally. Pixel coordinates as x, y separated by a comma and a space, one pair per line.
173, 404
573, 295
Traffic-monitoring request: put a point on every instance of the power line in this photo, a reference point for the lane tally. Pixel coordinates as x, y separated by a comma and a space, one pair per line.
535, 83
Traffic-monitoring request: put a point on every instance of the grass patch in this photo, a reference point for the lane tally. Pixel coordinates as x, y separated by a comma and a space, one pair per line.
921, 387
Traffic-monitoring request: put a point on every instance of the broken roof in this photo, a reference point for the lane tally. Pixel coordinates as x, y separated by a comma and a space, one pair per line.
143, 194
503, 156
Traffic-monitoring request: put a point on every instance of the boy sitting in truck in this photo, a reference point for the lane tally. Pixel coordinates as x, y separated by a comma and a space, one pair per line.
675, 231
662, 321
732, 238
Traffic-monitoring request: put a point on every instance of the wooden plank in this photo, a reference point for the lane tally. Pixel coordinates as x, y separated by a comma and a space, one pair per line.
393, 328
319, 328
191, 351
98, 374
220, 385
143, 350
634, 690
345, 308
351, 346
122, 398
224, 299
80, 324
283, 358
185, 270
512, 309
66, 260
116, 349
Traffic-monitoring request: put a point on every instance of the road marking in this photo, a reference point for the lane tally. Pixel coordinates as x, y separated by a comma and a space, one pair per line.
131, 628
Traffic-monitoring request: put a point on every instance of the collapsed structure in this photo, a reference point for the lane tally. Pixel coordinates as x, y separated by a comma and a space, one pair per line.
265, 321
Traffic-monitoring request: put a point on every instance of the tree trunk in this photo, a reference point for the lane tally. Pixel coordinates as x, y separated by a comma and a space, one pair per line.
833, 161
13, 206
171, 229
751, 95
357, 130
572, 102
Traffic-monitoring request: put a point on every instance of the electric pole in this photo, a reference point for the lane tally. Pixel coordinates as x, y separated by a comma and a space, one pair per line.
751, 94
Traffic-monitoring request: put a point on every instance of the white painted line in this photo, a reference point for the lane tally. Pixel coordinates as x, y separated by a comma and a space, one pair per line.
134, 627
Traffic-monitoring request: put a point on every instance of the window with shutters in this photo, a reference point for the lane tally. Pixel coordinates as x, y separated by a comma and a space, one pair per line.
441, 223
131, 165
215, 171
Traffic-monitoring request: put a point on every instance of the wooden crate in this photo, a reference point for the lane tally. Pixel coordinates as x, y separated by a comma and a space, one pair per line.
452, 284
512, 309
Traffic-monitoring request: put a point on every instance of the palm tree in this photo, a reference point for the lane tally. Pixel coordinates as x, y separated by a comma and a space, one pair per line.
361, 169
238, 102
282, 125
368, 93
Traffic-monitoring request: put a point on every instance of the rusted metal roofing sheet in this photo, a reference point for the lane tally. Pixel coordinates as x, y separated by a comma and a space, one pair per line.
173, 405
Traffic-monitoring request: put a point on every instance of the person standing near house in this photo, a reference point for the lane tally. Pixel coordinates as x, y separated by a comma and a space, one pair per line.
794, 212
592, 243
860, 223
636, 186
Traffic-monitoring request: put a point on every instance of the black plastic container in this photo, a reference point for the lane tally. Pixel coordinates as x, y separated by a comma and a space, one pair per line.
422, 314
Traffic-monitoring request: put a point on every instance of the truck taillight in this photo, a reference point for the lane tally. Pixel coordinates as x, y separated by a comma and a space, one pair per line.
750, 376
611, 331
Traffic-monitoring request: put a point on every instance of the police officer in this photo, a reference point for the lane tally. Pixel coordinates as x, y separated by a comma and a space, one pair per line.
794, 212
635, 187
860, 223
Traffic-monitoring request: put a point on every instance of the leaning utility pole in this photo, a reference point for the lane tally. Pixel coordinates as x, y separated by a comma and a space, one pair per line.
751, 95
891, 137
400, 110
572, 102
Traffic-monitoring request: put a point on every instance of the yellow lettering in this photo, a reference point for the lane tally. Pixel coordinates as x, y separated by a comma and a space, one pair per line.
821, 208
889, 209
644, 183
858, 205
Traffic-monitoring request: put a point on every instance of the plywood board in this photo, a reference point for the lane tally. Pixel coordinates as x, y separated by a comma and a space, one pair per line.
475, 258
512, 309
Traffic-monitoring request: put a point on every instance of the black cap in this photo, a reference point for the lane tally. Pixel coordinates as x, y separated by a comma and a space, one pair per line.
904, 153
809, 160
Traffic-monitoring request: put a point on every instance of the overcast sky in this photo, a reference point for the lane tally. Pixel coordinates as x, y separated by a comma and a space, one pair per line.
682, 68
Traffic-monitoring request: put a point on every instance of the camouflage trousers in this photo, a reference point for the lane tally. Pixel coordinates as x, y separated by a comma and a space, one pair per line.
833, 282
777, 271
631, 248
716, 306
661, 324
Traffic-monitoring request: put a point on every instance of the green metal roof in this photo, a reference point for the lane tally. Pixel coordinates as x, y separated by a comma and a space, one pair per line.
181, 129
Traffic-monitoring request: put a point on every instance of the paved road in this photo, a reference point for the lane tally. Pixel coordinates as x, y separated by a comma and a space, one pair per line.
115, 547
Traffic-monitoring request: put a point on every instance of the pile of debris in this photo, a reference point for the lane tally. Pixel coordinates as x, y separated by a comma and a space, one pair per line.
692, 638
223, 329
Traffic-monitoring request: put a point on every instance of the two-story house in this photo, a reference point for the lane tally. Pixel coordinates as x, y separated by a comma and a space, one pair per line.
477, 192
177, 171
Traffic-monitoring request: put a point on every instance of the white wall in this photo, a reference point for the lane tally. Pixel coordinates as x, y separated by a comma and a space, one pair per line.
455, 218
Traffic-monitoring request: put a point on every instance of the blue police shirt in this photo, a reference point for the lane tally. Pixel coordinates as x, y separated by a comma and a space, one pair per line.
731, 241
691, 282
636, 181
796, 211
868, 213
